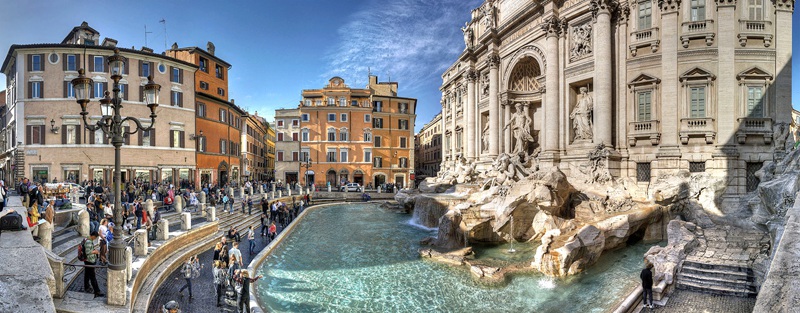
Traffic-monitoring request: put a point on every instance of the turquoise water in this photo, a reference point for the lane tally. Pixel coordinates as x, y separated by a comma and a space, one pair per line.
360, 258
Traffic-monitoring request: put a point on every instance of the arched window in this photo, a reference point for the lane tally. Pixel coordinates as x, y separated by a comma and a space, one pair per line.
523, 77
331, 134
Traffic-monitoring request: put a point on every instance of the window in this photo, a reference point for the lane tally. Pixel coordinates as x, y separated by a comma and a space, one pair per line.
342, 101
99, 137
377, 162
162, 68
295, 156
755, 9
698, 10
99, 90
367, 137
219, 72
279, 156
280, 123
176, 140
176, 98
403, 142
403, 162
304, 156
643, 172
204, 65
280, 136
644, 102
404, 107
697, 167
203, 85
70, 135
755, 101
304, 117
145, 69
308, 102
123, 91
72, 62
70, 91
343, 135
697, 102
223, 146
318, 102
367, 155
331, 117
295, 123
331, 135
343, 117
377, 106
331, 101
201, 144
343, 156
645, 14
751, 180
377, 122
295, 136
201, 109
35, 135
354, 103
305, 135
146, 138
331, 157
367, 118
36, 89
221, 92
404, 124
377, 141
175, 75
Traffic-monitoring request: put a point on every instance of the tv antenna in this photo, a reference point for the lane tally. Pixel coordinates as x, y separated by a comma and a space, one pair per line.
145, 35
164, 21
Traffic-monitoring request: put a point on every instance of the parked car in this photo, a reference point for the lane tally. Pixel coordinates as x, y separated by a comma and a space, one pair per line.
351, 187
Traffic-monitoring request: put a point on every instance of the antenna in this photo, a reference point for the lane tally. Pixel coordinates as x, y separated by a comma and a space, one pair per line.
145, 35
164, 21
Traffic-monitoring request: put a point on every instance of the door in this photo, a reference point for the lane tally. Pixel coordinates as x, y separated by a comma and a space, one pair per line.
223, 178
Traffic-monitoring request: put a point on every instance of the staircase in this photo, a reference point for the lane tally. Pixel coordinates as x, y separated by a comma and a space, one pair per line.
721, 279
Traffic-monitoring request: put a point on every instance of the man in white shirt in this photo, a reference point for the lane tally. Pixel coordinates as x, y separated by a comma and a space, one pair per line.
235, 251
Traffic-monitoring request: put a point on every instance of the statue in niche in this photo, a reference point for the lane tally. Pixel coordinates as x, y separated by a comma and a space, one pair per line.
520, 124
485, 84
468, 35
485, 137
581, 41
582, 115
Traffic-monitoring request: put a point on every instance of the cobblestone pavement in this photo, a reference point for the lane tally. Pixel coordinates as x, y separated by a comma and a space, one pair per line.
203, 287
685, 301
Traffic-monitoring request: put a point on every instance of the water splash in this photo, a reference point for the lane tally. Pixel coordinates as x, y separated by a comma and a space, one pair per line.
547, 283
413, 223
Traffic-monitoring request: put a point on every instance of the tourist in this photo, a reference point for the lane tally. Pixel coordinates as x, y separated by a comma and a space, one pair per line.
234, 235
245, 200
236, 254
137, 211
92, 251
264, 225
251, 237
249, 206
647, 285
233, 267
220, 278
274, 214
217, 249
264, 206
101, 240
243, 282
191, 270
225, 201
49, 214
273, 231
223, 254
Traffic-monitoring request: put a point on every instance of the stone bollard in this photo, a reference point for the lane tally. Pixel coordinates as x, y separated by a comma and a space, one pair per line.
116, 286
140, 242
345, 189
46, 235
74, 196
280, 193
273, 186
212, 214
329, 188
178, 204
149, 206
203, 197
186, 221
202, 210
163, 229
379, 189
288, 192
250, 190
83, 223
128, 262
260, 188
241, 192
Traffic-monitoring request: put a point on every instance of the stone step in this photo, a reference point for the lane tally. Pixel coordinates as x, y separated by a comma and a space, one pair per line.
702, 286
67, 246
717, 273
721, 281
61, 230
742, 268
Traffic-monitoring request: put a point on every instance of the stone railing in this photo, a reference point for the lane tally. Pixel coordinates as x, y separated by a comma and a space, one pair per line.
643, 38
700, 127
755, 30
697, 30
698, 26
645, 129
754, 126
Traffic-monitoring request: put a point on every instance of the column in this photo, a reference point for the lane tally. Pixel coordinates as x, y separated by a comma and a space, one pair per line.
507, 147
622, 76
552, 27
494, 106
469, 111
602, 72
783, 59
452, 112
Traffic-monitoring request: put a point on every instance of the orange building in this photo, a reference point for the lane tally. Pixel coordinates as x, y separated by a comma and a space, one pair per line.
219, 122
345, 142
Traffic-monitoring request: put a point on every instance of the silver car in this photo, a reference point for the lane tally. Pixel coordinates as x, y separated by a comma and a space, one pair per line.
351, 187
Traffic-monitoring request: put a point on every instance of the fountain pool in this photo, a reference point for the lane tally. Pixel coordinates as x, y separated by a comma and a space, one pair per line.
360, 258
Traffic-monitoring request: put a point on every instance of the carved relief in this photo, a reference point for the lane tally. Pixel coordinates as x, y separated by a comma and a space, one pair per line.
783, 5
471, 75
581, 42
493, 60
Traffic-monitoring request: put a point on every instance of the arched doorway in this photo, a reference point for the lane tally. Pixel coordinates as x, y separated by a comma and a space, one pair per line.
344, 176
222, 170
330, 177
358, 177
380, 179
309, 177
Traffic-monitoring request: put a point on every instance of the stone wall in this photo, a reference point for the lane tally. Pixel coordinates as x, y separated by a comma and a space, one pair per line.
780, 292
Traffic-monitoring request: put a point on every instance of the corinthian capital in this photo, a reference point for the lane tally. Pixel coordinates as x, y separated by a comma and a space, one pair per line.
725, 3
671, 6
471, 75
784, 5
552, 26
493, 60
623, 12
602, 7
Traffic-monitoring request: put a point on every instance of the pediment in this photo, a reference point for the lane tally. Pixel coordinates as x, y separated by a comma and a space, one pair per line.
697, 73
643, 79
754, 72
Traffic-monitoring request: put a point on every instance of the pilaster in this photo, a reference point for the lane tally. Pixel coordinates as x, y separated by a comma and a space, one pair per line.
783, 59
494, 106
623, 13
552, 28
603, 79
469, 114
669, 147
506, 131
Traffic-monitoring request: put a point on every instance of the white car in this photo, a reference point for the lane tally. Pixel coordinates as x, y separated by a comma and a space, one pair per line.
81, 191
351, 187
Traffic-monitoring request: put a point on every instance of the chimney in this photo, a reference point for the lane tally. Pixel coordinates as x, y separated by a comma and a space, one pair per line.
109, 42
174, 46
84, 24
233, 101
210, 48
146, 49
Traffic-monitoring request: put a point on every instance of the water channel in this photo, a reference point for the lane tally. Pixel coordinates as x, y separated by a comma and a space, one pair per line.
361, 258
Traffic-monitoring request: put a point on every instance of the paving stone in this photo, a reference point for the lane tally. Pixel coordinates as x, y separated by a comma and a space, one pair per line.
685, 301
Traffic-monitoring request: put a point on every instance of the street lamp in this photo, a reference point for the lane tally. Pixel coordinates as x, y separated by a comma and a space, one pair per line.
111, 125
307, 166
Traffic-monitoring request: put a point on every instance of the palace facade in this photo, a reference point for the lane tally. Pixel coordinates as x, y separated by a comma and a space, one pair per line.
665, 85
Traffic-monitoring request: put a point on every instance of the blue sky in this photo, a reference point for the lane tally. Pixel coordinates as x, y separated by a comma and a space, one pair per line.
278, 48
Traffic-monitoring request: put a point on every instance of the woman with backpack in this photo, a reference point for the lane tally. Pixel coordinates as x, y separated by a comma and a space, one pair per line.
191, 270
220, 278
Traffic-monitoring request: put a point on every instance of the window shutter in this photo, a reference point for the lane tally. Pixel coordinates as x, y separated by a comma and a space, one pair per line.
63, 134
64, 61
91, 90
127, 137
28, 132
140, 68
91, 137
77, 62
141, 135
152, 69
91, 63
30, 63
126, 70
141, 93
43, 61
180, 79
171, 74
125, 92
66, 85
105, 88
180, 99
42, 134
171, 138
153, 137
183, 144
78, 134
30, 90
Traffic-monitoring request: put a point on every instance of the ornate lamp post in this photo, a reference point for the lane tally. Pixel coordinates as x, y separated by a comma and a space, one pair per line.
111, 125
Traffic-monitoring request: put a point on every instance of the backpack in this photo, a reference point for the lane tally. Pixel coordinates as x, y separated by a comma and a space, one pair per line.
82, 251
11, 221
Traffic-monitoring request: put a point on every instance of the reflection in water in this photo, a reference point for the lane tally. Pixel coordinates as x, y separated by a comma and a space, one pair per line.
360, 258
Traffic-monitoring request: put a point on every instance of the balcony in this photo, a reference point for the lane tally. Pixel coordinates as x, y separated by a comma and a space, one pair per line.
698, 127
644, 130
643, 38
697, 30
754, 127
755, 30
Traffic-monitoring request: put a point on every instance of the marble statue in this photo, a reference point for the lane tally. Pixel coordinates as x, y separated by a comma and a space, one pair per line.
485, 84
595, 170
465, 173
505, 170
582, 115
488, 10
485, 138
581, 41
520, 124
468, 35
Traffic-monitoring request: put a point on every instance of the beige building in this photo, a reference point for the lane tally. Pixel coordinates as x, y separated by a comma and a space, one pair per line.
428, 149
666, 85
795, 124
287, 145
44, 135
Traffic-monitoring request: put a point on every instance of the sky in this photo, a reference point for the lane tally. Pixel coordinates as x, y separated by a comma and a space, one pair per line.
277, 48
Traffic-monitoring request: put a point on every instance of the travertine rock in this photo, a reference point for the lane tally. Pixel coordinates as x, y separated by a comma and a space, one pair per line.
681, 239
